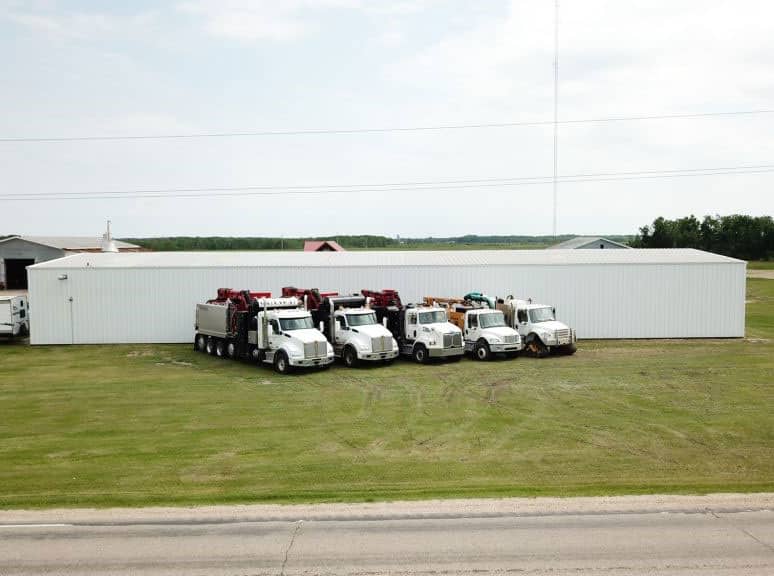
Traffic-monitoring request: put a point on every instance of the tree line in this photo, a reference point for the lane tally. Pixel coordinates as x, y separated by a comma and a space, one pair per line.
737, 235
179, 243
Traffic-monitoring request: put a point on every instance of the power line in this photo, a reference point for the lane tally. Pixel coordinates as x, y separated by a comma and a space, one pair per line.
314, 132
378, 187
242, 191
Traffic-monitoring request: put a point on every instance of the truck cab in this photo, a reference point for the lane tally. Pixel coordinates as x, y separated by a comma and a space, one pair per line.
358, 336
287, 338
486, 334
425, 333
537, 324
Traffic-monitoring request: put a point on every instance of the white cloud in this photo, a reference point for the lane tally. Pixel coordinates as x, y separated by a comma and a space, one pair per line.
72, 25
250, 20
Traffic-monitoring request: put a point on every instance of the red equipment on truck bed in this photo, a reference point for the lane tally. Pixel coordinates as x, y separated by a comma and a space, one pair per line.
311, 297
241, 299
383, 298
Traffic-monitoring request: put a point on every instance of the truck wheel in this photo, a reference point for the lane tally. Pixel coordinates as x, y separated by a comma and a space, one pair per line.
220, 349
350, 357
482, 351
231, 350
570, 349
536, 348
210, 347
420, 354
201, 343
256, 355
281, 363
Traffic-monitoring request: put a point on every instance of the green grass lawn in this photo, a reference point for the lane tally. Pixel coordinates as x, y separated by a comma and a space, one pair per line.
138, 425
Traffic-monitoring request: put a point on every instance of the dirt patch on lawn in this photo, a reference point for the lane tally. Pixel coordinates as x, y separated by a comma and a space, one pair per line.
768, 274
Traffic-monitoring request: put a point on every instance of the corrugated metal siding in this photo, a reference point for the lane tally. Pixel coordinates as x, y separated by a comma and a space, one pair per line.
115, 305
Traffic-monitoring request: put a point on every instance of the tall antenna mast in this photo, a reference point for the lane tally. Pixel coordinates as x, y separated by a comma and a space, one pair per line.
556, 102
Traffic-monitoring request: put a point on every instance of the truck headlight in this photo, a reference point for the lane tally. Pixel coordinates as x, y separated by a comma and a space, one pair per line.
296, 353
363, 346
494, 340
394, 344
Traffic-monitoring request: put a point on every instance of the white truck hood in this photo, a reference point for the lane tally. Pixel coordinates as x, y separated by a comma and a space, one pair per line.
307, 335
550, 326
500, 331
373, 330
443, 328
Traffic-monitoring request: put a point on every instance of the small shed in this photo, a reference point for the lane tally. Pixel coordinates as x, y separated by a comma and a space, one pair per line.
588, 243
18, 252
322, 246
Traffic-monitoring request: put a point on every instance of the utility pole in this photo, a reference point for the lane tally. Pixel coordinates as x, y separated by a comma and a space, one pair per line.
556, 104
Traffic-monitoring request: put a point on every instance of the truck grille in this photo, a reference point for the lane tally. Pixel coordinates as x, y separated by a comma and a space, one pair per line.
563, 336
511, 339
452, 340
314, 349
381, 344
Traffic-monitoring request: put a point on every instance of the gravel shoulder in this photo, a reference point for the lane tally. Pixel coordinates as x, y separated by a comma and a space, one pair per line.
425, 509
769, 274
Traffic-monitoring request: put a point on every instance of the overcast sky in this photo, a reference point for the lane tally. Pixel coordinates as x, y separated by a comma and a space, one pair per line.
73, 69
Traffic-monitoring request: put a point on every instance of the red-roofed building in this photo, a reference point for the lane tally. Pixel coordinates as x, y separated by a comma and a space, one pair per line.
322, 246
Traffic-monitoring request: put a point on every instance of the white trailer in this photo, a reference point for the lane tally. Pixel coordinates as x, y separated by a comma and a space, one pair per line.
14, 316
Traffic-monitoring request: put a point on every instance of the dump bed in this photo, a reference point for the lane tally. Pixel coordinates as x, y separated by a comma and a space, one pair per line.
212, 320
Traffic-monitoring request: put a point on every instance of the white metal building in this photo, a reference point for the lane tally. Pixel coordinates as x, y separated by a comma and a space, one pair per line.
151, 296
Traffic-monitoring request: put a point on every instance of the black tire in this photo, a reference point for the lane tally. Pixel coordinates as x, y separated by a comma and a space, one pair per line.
281, 363
255, 354
420, 354
570, 349
220, 348
349, 356
231, 349
536, 348
482, 351
201, 343
210, 346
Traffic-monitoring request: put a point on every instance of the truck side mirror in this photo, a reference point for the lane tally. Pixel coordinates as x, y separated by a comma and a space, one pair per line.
384, 321
322, 326
270, 329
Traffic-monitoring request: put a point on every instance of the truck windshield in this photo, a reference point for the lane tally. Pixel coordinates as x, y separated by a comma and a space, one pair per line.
432, 317
361, 319
288, 324
541, 315
491, 320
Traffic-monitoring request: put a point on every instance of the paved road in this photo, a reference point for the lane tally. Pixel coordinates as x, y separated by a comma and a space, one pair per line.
610, 544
